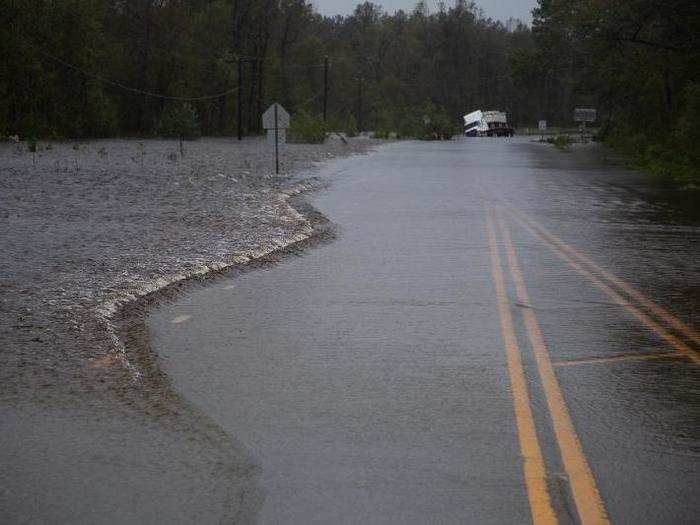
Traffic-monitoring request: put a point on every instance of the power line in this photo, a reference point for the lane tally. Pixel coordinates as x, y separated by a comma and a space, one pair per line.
300, 66
129, 88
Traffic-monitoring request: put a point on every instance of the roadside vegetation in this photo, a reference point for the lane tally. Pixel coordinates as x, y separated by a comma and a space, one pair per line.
561, 142
427, 123
307, 128
100, 68
179, 122
673, 159
637, 62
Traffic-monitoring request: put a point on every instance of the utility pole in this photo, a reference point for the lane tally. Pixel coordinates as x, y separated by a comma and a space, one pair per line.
325, 87
359, 104
277, 143
240, 99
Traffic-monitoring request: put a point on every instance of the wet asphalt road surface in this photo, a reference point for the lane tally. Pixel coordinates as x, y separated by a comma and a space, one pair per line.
501, 333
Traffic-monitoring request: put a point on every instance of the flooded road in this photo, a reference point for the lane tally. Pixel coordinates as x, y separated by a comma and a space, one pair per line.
500, 333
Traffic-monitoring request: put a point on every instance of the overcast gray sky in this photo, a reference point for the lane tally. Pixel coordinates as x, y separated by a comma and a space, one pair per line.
499, 9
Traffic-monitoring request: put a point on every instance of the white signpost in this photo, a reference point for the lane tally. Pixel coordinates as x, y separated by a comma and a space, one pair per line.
584, 115
281, 136
276, 121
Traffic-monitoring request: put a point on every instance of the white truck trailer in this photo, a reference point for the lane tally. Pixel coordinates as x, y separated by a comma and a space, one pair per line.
487, 124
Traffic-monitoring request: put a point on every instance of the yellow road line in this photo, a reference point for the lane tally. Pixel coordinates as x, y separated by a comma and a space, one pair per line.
533, 463
589, 504
679, 345
642, 299
619, 358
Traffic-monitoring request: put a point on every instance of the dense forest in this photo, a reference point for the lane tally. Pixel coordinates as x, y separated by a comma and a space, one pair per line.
89, 68
637, 61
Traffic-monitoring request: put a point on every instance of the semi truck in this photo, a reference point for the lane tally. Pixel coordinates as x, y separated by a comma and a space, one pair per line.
487, 124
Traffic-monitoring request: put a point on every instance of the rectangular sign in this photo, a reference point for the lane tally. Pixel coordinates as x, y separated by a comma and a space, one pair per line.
585, 115
543, 124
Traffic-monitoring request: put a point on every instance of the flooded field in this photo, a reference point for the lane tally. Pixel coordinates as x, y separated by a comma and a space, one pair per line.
86, 229
87, 226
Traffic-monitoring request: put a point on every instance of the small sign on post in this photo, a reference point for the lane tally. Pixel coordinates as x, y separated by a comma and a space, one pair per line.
543, 128
584, 115
276, 121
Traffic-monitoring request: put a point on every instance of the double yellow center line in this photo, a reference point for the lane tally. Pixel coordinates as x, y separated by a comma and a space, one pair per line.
534, 469
589, 504
654, 317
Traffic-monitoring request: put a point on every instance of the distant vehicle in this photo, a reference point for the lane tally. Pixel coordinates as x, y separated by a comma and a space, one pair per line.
487, 124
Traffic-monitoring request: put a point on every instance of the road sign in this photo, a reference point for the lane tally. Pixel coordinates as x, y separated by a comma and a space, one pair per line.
543, 125
281, 136
585, 115
276, 117
276, 120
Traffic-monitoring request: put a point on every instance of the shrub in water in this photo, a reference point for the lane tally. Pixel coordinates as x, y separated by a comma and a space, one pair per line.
381, 134
562, 142
181, 122
437, 125
102, 118
410, 126
307, 128
352, 130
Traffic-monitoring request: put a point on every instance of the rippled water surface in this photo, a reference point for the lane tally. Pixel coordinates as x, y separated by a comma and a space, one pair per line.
369, 378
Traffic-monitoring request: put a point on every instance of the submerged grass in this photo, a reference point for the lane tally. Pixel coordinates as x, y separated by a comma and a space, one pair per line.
668, 165
561, 142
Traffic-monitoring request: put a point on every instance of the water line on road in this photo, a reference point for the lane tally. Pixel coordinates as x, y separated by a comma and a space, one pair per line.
618, 359
107, 310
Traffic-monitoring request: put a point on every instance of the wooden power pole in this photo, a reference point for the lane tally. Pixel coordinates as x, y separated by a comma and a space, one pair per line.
325, 87
240, 99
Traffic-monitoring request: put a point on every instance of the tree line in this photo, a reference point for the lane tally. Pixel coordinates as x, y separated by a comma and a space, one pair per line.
114, 67
637, 61
88, 68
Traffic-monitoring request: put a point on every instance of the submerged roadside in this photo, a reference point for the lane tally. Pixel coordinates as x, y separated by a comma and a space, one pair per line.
93, 233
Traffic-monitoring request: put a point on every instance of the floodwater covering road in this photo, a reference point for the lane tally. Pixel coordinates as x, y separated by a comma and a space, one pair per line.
500, 333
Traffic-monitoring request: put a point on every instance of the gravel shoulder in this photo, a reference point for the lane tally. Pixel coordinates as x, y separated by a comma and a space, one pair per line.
92, 234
